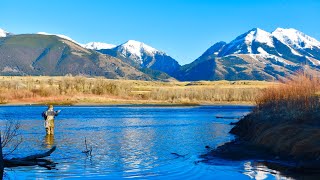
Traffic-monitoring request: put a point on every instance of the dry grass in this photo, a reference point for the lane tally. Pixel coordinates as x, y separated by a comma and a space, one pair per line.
82, 90
298, 94
286, 119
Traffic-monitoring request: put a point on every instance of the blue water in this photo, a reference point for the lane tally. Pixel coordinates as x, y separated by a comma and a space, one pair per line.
130, 142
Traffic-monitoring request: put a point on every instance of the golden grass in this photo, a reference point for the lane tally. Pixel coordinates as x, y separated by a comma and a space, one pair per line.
299, 93
82, 90
286, 118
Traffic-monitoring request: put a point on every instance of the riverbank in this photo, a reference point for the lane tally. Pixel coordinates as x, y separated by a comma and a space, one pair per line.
283, 130
100, 91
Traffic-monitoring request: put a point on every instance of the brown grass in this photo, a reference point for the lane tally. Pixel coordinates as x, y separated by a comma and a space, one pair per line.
82, 90
298, 94
286, 119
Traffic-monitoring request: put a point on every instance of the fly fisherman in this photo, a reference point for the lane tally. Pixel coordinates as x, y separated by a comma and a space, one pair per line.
48, 116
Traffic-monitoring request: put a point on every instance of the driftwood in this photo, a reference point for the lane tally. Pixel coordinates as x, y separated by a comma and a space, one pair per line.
32, 160
227, 117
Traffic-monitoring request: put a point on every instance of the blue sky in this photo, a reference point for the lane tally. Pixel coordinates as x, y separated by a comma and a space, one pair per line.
184, 29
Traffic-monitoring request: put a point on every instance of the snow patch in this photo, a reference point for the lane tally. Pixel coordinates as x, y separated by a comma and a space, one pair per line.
98, 45
61, 36
3, 33
315, 62
9, 69
295, 38
258, 35
264, 37
255, 35
261, 50
136, 49
276, 58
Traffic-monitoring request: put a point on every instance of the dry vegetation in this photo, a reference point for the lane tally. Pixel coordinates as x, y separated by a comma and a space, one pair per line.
298, 94
286, 119
82, 90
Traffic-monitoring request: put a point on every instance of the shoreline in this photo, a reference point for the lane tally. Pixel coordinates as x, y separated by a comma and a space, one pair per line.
160, 104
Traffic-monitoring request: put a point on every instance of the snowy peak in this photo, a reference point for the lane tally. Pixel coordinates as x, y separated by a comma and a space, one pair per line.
98, 45
258, 41
259, 35
144, 57
137, 49
295, 38
244, 44
3, 33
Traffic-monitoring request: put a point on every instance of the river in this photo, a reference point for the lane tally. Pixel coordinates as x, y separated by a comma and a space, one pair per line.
148, 142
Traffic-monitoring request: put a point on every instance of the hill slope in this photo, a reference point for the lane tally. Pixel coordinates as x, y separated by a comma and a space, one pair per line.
36, 54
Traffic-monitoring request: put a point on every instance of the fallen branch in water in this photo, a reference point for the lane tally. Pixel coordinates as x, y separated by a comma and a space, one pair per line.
87, 151
32, 160
226, 117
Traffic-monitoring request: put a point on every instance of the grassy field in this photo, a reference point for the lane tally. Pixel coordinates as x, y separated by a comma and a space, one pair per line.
82, 90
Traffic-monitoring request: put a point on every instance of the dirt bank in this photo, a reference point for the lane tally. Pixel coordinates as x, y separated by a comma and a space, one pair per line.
283, 130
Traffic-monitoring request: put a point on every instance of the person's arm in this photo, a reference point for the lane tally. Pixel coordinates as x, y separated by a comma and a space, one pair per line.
44, 115
57, 112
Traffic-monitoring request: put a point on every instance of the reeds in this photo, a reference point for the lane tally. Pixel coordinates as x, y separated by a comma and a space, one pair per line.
298, 93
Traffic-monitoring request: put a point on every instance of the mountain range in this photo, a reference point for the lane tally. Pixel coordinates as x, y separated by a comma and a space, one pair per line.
257, 55
254, 55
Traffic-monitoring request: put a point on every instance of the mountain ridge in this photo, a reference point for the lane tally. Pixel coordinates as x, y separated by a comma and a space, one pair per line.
141, 55
253, 55
256, 54
36, 54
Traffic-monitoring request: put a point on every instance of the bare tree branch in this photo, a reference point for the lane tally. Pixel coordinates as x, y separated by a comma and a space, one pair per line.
11, 138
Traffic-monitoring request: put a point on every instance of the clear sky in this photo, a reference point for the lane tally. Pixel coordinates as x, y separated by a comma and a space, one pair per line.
184, 29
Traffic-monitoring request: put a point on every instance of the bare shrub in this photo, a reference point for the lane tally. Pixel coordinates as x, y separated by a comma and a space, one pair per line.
10, 137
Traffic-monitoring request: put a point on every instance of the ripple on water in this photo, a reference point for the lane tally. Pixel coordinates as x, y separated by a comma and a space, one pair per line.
128, 142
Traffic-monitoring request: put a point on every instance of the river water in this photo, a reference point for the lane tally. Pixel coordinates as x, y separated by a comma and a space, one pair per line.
142, 142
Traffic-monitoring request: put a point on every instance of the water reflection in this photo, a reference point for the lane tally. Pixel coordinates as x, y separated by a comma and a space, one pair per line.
128, 142
49, 141
137, 147
257, 170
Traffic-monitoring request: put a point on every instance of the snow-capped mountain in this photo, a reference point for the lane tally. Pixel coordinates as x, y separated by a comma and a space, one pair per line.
98, 45
248, 43
258, 41
256, 54
295, 38
4, 33
141, 55
137, 50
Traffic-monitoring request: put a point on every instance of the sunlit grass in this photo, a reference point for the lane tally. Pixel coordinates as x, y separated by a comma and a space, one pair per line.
299, 94
82, 90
